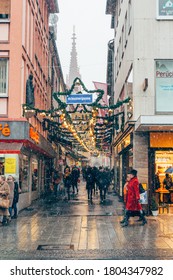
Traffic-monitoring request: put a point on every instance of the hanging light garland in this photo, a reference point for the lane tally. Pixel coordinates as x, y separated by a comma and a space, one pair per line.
59, 120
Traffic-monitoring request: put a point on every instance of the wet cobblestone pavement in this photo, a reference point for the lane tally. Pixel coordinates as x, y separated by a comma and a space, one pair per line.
51, 229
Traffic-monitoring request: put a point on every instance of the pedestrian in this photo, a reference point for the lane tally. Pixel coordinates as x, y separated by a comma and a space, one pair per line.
4, 198
89, 182
133, 206
67, 181
167, 182
75, 174
10, 182
103, 182
17, 191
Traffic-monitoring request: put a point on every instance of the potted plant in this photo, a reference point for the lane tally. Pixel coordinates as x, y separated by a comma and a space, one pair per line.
154, 206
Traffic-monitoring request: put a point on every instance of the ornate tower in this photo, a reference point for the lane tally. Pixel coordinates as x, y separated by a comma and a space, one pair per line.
74, 69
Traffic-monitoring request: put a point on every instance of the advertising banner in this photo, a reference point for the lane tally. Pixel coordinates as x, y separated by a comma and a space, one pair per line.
165, 9
164, 86
10, 165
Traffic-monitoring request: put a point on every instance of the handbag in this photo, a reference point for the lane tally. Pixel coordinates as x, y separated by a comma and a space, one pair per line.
4, 203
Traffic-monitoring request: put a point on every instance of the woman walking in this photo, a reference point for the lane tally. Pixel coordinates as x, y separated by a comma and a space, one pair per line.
4, 200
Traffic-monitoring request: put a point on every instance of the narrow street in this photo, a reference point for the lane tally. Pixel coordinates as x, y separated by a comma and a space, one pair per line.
77, 229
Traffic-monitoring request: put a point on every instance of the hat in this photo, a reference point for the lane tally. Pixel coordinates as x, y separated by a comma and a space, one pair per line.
134, 172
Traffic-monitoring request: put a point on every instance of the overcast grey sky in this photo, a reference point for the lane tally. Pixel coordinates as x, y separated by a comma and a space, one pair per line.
93, 33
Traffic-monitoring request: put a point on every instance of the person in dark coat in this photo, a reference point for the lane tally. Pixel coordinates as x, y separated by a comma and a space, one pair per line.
133, 205
102, 182
89, 182
67, 181
75, 174
17, 191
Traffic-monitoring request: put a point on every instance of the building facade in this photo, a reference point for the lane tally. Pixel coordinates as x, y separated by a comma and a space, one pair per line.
143, 71
25, 77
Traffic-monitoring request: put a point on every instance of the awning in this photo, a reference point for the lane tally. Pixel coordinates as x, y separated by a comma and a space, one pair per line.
10, 148
154, 123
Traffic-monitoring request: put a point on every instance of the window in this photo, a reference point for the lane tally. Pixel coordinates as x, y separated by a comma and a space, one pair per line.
34, 170
5, 9
24, 173
3, 77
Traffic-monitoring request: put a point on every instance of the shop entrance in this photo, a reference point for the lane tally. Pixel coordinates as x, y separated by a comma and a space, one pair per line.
163, 182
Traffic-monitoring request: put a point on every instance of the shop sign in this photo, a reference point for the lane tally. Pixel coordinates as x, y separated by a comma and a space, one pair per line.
79, 99
165, 9
5, 130
33, 134
161, 140
164, 85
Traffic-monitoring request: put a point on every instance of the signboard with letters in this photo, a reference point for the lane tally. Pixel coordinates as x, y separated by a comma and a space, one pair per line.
164, 85
165, 9
79, 99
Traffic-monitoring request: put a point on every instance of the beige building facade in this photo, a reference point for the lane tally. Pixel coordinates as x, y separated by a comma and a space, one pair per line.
143, 71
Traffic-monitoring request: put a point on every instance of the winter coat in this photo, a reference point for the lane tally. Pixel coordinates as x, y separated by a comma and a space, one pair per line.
75, 174
16, 193
11, 195
102, 180
67, 179
133, 196
4, 193
90, 180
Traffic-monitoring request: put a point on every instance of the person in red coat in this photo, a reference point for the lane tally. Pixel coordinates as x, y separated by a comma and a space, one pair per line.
133, 205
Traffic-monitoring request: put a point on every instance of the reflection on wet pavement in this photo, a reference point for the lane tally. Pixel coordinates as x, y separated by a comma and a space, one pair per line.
79, 226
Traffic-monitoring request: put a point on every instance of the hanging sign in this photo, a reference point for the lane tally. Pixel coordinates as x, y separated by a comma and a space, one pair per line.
33, 134
79, 99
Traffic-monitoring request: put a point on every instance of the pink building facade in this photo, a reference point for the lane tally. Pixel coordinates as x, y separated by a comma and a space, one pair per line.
25, 151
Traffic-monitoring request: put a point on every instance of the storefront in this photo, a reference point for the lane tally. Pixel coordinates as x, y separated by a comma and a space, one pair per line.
123, 161
160, 164
26, 155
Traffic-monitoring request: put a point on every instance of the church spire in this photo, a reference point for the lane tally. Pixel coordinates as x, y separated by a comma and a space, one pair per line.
74, 69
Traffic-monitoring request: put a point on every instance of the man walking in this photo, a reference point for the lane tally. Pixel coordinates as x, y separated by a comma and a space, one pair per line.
133, 206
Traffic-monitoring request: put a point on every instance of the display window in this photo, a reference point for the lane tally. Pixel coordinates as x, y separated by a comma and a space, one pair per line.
34, 172
24, 173
164, 176
163, 165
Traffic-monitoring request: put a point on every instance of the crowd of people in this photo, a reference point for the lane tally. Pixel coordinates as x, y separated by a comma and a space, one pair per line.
97, 179
9, 197
68, 183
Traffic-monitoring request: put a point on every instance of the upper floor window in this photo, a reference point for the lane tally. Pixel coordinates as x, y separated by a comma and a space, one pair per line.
3, 77
5, 9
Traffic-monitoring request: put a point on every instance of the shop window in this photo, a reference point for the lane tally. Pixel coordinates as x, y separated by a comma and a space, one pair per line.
3, 77
34, 170
2, 162
5, 9
24, 173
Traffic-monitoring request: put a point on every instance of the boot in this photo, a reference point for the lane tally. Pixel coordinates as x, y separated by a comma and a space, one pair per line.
123, 221
125, 224
143, 219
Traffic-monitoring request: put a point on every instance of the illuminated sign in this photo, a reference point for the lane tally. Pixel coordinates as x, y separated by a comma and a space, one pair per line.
5, 131
33, 134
